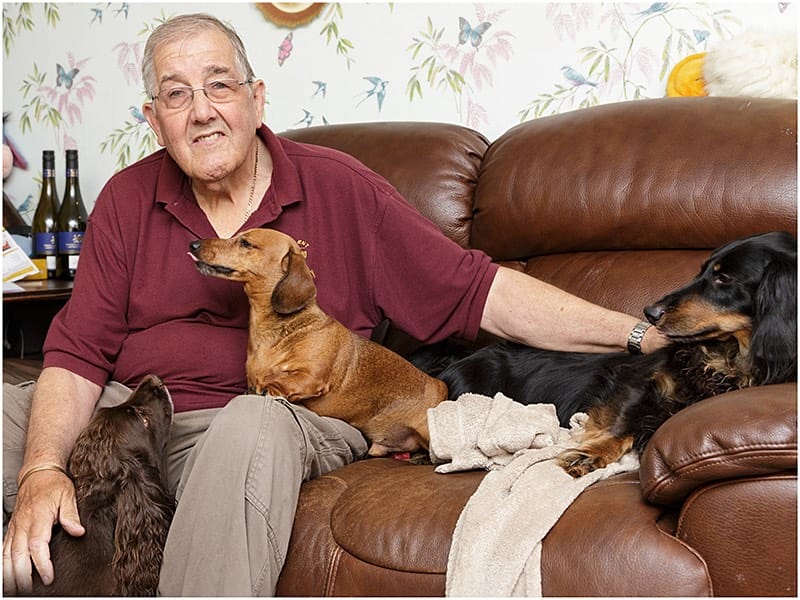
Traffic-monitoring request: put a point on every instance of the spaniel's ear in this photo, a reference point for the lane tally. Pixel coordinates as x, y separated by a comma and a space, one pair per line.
95, 463
144, 512
296, 288
773, 343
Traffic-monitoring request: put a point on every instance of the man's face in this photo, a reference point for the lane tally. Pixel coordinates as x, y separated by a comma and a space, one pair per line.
208, 140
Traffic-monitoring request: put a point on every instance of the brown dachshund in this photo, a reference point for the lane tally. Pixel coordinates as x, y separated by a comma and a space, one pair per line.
298, 352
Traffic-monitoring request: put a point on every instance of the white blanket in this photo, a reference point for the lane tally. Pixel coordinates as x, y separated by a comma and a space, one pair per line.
496, 548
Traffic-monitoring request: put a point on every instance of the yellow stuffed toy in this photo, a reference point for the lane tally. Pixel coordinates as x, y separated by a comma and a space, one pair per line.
686, 78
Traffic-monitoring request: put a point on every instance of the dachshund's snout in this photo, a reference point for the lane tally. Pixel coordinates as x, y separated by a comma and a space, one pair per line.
194, 246
654, 313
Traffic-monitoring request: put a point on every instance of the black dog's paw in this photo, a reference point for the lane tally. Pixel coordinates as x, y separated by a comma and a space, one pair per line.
420, 457
578, 463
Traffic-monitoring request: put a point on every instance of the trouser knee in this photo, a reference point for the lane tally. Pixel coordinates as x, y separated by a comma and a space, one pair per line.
244, 417
256, 429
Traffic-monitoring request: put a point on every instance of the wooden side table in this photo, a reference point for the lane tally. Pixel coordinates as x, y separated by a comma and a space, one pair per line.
27, 314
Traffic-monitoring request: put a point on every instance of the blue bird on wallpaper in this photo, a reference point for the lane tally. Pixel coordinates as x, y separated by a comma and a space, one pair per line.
98, 15
654, 8
28, 205
308, 118
575, 78
322, 88
65, 77
123, 9
378, 90
701, 35
136, 113
467, 33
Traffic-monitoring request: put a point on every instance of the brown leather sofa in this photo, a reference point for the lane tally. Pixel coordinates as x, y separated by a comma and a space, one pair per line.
618, 204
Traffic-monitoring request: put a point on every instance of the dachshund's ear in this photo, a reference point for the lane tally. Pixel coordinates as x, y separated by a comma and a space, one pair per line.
773, 343
296, 288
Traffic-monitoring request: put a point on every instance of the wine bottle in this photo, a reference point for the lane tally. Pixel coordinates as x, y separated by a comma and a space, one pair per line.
71, 220
44, 227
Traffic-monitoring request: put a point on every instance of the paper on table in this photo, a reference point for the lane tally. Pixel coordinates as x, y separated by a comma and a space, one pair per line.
16, 263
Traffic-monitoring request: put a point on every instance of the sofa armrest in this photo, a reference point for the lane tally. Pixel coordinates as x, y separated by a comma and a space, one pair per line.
746, 433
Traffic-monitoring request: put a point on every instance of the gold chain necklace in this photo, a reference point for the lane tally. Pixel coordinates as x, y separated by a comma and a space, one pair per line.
249, 210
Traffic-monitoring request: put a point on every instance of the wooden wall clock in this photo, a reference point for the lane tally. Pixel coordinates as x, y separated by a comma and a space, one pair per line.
290, 14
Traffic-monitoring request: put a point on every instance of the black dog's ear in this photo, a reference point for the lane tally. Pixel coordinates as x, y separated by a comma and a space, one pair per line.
773, 343
296, 288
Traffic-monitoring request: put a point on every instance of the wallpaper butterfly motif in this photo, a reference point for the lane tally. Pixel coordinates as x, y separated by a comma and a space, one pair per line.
467, 34
65, 77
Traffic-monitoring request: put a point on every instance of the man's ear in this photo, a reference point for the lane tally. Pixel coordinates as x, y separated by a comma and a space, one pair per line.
150, 115
260, 98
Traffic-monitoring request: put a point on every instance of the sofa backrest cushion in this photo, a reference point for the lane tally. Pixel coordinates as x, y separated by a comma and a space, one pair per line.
648, 174
621, 203
434, 166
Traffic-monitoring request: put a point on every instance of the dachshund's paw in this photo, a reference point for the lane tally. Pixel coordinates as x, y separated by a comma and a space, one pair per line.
578, 463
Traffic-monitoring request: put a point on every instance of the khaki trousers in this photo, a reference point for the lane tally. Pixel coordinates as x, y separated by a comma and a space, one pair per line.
236, 472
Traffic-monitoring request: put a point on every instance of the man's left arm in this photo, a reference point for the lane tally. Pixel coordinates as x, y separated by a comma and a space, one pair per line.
525, 309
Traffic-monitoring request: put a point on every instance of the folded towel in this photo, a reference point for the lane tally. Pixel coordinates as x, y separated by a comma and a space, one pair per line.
496, 547
478, 432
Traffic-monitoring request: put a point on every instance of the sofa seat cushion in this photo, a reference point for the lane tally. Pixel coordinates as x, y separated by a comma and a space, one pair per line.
381, 527
401, 517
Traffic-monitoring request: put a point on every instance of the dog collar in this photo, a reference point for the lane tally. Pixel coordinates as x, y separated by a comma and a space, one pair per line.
636, 336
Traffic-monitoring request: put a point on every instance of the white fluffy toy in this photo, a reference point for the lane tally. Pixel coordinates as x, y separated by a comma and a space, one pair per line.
755, 64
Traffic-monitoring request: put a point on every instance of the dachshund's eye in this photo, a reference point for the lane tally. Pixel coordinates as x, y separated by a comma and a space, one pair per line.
244, 243
722, 278
719, 277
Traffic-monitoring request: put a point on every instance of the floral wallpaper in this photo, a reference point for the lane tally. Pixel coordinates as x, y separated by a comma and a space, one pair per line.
71, 71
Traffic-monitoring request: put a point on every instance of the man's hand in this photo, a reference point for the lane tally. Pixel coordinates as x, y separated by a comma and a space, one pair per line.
46, 498
653, 340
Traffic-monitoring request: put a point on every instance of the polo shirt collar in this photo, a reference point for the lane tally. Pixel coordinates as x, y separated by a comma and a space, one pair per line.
174, 190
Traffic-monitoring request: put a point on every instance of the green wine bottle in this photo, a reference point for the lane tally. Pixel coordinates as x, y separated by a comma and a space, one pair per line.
44, 228
71, 220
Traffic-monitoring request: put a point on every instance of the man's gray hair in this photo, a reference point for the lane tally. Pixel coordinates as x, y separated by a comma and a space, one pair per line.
183, 26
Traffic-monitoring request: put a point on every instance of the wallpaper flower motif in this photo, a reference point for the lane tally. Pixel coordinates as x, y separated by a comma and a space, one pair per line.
626, 61
461, 67
59, 105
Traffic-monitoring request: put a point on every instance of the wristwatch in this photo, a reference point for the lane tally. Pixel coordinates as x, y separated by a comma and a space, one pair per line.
636, 336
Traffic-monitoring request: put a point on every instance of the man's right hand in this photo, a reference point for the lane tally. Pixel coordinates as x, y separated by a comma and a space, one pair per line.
45, 498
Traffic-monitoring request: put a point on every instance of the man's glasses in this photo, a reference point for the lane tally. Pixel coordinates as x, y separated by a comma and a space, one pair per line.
220, 91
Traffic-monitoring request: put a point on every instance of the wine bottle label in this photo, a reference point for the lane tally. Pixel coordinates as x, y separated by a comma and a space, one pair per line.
70, 242
44, 244
72, 262
46, 173
50, 261
72, 172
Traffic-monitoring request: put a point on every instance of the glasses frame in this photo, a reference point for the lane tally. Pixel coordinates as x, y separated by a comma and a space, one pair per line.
193, 90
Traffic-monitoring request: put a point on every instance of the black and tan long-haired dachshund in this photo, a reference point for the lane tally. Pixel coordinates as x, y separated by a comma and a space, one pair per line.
733, 326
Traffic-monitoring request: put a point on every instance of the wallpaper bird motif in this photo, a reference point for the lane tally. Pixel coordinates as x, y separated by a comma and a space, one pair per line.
486, 65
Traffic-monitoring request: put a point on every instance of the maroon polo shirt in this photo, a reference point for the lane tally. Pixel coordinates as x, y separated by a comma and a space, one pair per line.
140, 306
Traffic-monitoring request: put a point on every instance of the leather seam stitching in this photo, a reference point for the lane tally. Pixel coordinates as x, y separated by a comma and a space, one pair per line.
330, 579
657, 484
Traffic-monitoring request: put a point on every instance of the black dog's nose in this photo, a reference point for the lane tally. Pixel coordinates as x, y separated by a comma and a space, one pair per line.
194, 246
654, 313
